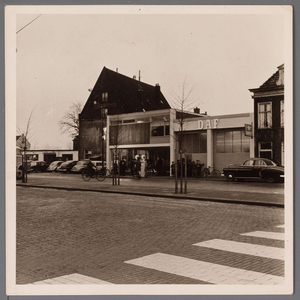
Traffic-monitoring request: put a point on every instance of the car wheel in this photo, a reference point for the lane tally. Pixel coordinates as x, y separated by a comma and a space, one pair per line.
19, 174
271, 178
230, 176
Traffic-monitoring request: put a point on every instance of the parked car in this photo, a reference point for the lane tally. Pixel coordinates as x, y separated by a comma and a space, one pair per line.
98, 164
67, 166
20, 166
80, 166
260, 168
39, 166
54, 165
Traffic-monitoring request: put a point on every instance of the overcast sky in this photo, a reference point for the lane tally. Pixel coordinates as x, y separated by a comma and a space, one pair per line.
59, 57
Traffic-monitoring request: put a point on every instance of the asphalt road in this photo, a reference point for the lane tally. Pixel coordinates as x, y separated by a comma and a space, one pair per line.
127, 239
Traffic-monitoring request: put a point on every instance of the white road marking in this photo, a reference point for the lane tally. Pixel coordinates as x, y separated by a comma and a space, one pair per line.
72, 279
266, 235
244, 248
204, 271
281, 226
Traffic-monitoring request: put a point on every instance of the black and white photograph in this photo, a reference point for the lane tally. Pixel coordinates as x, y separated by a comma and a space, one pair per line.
149, 150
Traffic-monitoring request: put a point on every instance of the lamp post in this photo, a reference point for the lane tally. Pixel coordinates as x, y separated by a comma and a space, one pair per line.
102, 130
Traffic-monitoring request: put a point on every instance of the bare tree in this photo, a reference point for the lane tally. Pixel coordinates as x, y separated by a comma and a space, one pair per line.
70, 121
183, 104
24, 145
117, 132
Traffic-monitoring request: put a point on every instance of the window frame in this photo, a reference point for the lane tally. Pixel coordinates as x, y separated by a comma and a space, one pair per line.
264, 124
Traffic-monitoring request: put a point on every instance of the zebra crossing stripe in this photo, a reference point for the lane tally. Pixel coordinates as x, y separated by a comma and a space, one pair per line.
244, 248
71, 279
266, 235
204, 271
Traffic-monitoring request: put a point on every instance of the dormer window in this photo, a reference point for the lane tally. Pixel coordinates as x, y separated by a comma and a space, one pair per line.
104, 97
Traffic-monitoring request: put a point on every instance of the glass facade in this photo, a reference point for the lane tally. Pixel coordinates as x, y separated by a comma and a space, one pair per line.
233, 141
194, 142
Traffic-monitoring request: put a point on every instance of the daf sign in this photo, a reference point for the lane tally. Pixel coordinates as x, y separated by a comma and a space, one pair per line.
208, 124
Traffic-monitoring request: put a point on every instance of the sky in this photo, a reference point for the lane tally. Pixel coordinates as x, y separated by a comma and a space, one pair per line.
218, 57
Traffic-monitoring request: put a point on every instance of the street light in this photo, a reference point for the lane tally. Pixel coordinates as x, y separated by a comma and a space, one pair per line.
102, 130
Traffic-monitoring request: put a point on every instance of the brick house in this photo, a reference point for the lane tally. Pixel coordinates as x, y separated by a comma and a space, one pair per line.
269, 117
21, 142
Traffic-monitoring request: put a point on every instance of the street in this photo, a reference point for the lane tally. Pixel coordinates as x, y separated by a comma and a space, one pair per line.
83, 236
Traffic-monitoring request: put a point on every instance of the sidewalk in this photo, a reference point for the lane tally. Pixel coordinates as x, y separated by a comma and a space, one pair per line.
209, 189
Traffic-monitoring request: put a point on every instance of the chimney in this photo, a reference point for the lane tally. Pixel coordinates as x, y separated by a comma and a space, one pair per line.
197, 110
134, 77
280, 80
157, 91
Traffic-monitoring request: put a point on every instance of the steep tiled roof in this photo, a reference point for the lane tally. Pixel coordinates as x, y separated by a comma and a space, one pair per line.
271, 82
127, 94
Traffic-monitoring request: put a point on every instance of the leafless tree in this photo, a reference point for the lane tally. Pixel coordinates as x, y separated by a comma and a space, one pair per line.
25, 145
183, 104
117, 135
70, 121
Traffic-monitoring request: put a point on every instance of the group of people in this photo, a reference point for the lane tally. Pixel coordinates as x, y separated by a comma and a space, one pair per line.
193, 168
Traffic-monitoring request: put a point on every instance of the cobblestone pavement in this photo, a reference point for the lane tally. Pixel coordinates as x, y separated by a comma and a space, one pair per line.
91, 237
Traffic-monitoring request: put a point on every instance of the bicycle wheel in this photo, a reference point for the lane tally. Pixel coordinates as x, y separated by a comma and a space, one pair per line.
100, 176
86, 176
206, 172
215, 173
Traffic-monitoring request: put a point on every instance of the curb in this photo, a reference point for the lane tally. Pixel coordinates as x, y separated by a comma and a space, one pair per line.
180, 196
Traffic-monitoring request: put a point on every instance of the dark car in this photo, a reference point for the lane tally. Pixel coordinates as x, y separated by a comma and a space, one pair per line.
54, 165
67, 166
39, 166
255, 168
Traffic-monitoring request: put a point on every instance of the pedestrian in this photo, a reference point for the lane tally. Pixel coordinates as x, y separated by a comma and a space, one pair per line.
198, 168
159, 166
173, 168
137, 167
122, 167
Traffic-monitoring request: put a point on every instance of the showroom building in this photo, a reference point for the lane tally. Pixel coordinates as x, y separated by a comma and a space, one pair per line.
214, 140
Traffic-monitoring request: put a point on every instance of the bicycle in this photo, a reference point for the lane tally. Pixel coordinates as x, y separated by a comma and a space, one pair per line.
100, 175
214, 173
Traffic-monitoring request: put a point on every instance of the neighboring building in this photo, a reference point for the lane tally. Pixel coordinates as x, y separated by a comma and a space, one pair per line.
114, 94
269, 117
21, 142
52, 155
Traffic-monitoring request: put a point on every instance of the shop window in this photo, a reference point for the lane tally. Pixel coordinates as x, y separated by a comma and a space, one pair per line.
203, 142
232, 142
87, 154
245, 143
265, 115
265, 150
194, 142
282, 113
220, 142
167, 129
160, 130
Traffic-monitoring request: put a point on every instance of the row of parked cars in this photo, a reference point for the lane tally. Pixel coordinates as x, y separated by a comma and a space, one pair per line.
253, 168
69, 166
